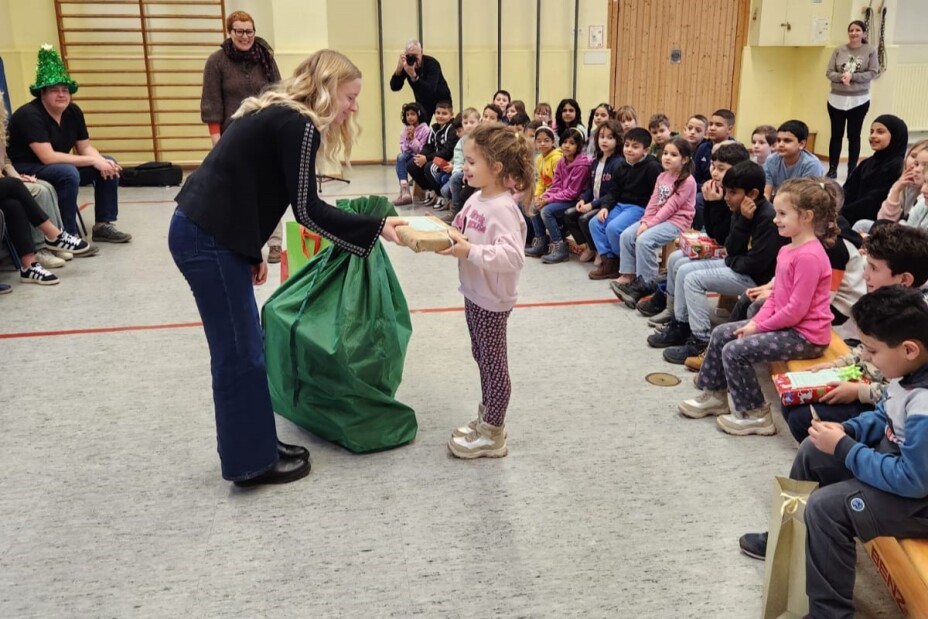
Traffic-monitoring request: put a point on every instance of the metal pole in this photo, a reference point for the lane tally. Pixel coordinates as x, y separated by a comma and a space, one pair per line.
499, 44
419, 16
537, 47
460, 54
383, 94
573, 92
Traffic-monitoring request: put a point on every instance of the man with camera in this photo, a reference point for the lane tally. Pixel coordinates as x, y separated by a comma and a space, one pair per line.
424, 76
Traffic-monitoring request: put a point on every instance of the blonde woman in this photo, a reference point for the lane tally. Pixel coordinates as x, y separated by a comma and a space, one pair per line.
225, 213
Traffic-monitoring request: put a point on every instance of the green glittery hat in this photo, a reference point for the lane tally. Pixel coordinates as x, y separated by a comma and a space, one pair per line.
49, 71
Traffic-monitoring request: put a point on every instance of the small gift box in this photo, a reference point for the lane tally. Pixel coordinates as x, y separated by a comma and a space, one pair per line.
425, 233
698, 246
796, 388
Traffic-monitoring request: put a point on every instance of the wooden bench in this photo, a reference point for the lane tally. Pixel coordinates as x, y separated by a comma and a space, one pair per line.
901, 563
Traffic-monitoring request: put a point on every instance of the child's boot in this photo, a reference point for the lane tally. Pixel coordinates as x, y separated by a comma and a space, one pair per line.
663, 317
756, 421
607, 270
655, 304
404, 198
706, 403
465, 430
559, 253
539, 247
674, 333
693, 347
484, 441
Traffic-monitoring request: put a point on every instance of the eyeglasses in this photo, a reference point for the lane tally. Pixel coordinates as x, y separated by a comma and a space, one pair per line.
243, 33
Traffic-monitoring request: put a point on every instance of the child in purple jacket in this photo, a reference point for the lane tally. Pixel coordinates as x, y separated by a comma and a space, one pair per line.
571, 177
413, 136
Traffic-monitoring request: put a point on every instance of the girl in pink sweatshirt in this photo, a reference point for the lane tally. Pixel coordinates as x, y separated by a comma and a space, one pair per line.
488, 240
571, 176
794, 323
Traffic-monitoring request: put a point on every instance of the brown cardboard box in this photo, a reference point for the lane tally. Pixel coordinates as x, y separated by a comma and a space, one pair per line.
425, 233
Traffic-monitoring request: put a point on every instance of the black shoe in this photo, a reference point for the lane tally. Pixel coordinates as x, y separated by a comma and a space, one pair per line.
674, 333
678, 355
285, 471
654, 305
634, 292
292, 451
754, 545
832, 173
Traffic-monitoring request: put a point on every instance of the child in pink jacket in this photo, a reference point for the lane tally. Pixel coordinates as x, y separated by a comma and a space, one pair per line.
413, 136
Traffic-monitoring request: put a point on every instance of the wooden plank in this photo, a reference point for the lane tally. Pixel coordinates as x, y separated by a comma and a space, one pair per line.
904, 583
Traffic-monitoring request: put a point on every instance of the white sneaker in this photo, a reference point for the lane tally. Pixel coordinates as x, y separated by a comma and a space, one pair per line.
465, 430
484, 441
36, 274
49, 260
64, 255
758, 421
706, 403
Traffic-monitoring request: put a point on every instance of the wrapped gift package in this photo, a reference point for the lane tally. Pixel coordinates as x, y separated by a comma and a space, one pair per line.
797, 388
425, 233
698, 246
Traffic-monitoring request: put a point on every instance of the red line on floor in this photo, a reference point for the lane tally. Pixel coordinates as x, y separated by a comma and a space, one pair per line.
187, 325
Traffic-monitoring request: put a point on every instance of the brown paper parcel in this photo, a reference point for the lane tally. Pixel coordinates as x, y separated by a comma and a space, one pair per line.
785, 565
425, 233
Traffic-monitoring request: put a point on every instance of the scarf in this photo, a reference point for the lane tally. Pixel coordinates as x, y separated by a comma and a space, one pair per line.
260, 53
899, 142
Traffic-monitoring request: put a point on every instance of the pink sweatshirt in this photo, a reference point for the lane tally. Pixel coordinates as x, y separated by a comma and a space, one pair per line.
496, 231
801, 294
420, 137
678, 208
570, 180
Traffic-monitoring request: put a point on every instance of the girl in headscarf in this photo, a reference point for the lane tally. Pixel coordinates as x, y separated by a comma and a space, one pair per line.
869, 183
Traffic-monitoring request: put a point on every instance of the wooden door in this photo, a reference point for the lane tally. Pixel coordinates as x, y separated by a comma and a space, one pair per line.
710, 35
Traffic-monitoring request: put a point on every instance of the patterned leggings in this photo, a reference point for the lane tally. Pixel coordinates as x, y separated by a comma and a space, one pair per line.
488, 345
729, 362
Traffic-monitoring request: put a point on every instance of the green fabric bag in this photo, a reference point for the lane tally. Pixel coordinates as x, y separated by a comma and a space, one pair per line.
335, 338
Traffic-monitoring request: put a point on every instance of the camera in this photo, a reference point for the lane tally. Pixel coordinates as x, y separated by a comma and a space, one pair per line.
411, 59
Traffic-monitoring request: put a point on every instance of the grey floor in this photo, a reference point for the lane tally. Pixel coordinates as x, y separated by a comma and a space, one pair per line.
609, 505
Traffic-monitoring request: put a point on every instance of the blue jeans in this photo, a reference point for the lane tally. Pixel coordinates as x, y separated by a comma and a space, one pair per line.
66, 179
639, 254
606, 235
549, 218
221, 282
454, 187
699, 280
402, 160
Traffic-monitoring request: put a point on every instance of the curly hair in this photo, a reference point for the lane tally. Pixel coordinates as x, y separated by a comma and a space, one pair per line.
817, 195
417, 108
497, 144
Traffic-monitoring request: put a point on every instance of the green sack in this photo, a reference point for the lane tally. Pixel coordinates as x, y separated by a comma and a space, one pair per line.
335, 342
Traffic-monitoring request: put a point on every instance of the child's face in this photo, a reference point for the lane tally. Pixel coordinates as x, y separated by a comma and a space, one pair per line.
542, 115
717, 170
501, 100
443, 115
718, 131
759, 147
477, 169
568, 113
607, 141
695, 131
628, 123
892, 362
672, 160
878, 275
490, 115
788, 146
529, 134
734, 197
789, 220
633, 151
412, 117
880, 137
569, 148
544, 143
600, 115
920, 165
469, 122
510, 112
660, 134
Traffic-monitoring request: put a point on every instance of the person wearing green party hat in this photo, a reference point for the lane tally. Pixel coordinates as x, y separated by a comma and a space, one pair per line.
49, 140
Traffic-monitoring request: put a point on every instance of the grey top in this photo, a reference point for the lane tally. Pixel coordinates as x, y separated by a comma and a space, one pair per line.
863, 65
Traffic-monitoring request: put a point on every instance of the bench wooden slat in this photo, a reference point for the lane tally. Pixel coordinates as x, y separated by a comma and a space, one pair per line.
836, 349
905, 579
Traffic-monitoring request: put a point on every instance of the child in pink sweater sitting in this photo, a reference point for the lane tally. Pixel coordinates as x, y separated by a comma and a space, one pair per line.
488, 241
794, 323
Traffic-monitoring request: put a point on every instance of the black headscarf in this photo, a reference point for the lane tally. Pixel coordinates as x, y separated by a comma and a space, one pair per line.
260, 53
900, 138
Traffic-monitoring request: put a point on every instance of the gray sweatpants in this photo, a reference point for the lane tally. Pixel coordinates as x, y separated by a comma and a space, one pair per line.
840, 510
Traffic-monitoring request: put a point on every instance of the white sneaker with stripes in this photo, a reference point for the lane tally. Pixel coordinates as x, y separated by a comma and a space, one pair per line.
37, 274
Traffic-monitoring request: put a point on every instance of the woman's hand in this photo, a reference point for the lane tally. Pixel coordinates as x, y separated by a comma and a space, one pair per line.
389, 229
846, 78
259, 273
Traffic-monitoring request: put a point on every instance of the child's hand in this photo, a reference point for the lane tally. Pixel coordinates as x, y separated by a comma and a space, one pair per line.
760, 292
448, 167
584, 207
825, 435
844, 393
419, 160
410, 132
712, 190
642, 228
746, 330
460, 246
748, 208
602, 215
539, 201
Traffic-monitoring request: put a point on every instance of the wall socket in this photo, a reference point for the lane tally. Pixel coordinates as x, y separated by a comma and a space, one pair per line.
596, 37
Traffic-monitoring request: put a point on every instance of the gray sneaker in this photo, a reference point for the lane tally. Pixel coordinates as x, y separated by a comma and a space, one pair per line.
107, 233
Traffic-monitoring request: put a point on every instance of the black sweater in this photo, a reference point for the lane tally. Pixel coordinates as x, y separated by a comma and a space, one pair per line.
753, 244
441, 142
265, 161
867, 187
717, 218
634, 184
429, 89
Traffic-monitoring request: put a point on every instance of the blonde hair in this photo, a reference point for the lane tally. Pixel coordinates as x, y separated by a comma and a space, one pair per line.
497, 144
2, 128
818, 195
312, 91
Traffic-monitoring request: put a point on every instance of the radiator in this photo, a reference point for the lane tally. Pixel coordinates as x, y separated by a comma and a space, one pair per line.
910, 96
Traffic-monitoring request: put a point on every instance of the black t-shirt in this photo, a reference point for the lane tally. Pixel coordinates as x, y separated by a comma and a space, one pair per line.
32, 123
